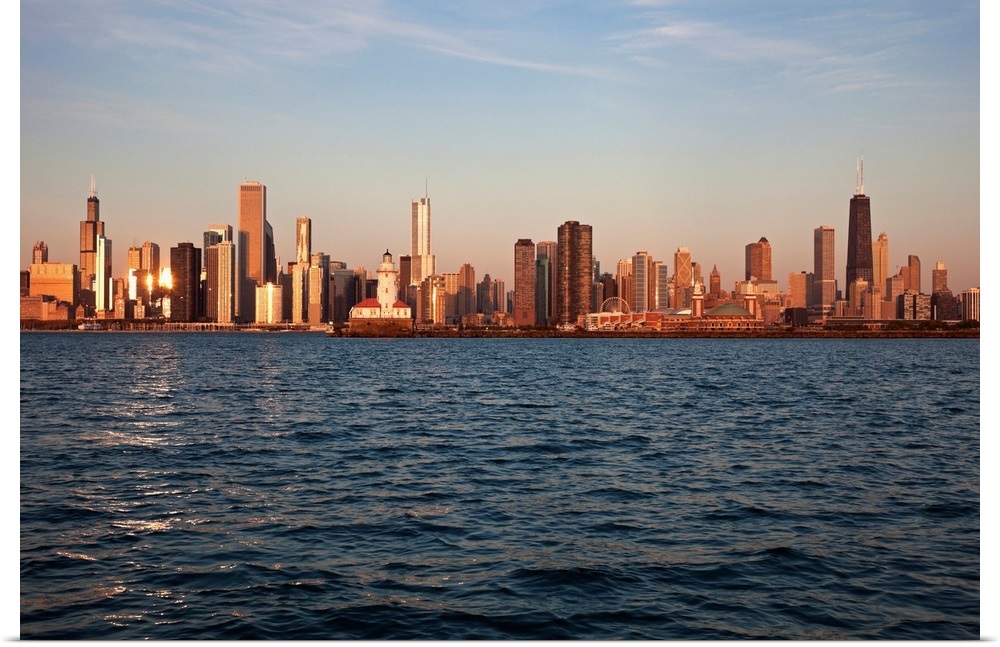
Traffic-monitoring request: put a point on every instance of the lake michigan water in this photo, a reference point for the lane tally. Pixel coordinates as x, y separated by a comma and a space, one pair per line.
294, 486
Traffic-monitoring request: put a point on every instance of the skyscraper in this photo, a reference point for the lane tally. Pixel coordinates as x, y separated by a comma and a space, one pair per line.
318, 284
913, 262
715, 283
466, 290
451, 315
683, 279
255, 248
405, 272
543, 271
574, 269
970, 304
484, 297
303, 240
524, 282
151, 254
432, 300
90, 229
301, 272
939, 278
880, 261
859, 232
824, 281
549, 249
625, 282
664, 284
798, 287
641, 279
421, 259
758, 260
498, 294
185, 274
220, 276
40, 254
214, 235
103, 291
133, 259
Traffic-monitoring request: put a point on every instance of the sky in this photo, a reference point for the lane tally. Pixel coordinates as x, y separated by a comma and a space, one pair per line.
660, 123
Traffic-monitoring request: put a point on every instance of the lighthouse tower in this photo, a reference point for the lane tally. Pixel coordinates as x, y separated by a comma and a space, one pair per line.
388, 285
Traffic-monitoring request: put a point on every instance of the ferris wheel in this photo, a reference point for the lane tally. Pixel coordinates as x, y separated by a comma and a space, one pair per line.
615, 304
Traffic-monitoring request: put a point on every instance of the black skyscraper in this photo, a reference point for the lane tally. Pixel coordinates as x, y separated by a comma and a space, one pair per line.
185, 273
859, 234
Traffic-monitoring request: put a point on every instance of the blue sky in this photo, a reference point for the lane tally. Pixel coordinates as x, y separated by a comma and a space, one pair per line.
662, 124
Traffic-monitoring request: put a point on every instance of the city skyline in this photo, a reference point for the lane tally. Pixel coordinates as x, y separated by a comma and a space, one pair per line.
512, 137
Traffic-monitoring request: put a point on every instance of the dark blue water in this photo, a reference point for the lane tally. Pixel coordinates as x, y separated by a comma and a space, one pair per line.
299, 486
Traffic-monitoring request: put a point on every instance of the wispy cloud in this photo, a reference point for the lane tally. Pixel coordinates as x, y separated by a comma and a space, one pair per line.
716, 41
840, 49
217, 36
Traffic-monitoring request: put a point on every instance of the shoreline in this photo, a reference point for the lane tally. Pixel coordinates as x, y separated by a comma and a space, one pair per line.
515, 333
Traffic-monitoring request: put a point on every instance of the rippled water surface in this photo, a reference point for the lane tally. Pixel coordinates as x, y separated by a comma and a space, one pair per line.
298, 486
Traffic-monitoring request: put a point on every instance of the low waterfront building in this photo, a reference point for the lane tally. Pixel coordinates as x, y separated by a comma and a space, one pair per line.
58, 280
46, 308
728, 317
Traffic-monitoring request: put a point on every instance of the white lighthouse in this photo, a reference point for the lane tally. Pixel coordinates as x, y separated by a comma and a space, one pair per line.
388, 284
385, 308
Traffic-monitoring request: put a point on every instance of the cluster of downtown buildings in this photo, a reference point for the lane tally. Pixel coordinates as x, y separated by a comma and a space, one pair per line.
235, 279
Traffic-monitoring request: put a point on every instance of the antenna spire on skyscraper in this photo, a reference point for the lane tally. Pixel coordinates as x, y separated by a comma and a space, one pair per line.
93, 186
425, 189
860, 176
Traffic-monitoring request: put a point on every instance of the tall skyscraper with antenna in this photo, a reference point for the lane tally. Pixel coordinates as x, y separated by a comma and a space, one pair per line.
859, 232
421, 260
90, 229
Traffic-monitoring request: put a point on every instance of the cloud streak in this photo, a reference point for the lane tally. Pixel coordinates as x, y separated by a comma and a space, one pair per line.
716, 41
218, 36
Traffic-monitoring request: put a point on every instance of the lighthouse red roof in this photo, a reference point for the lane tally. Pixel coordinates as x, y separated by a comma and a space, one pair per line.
368, 303
400, 304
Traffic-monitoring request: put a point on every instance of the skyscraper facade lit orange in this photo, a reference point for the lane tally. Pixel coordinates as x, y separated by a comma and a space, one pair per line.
466, 290
824, 281
913, 263
939, 278
133, 259
880, 261
524, 282
40, 253
574, 269
90, 229
641, 280
421, 259
683, 279
255, 247
715, 283
758, 260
